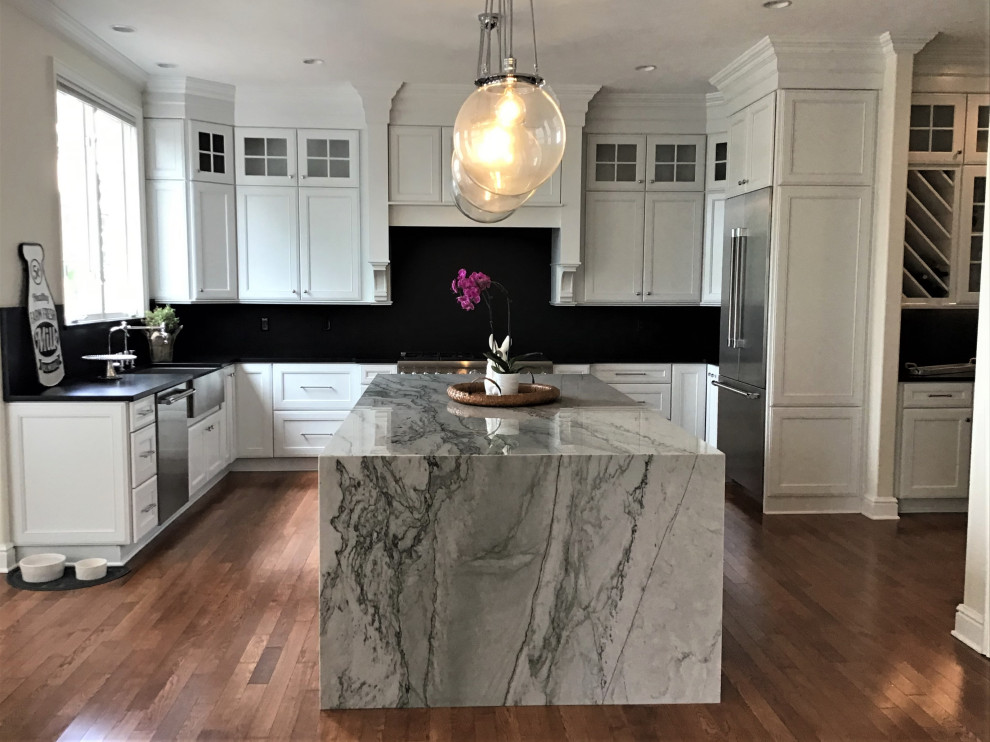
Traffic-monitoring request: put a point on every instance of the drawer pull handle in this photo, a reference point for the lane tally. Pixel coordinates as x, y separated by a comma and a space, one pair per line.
949, 395
303, 386
210, 428
969, 419
149, 508
317, 435
630, 373
640, 401
148, 454
145, 413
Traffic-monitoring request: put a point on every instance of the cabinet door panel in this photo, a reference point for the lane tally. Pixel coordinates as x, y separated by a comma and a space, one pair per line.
616, 162
717, 156
675, 163
613, 245
935, 449
688, 397
328, 157
144, 505
163, 145
977, 128
414, 164
253, 384
214, 241
211, 152
936, 133
266, 156
267, 243
168, 241
711, 406
674, 223
759, 147
330, 244
970, 240
737, 154
711, 272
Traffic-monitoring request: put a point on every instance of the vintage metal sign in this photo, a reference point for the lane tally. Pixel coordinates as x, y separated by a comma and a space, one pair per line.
42, 318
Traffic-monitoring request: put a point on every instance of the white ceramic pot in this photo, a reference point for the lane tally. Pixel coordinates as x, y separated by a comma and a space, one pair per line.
503, 383
42, 567
91, 569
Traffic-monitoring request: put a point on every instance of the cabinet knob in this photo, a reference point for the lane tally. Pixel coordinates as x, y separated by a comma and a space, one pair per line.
294, 291
739, 182
201, 291
306, 291
639, 293
291, 176
640, 181
649, 293
652, 180
969, 419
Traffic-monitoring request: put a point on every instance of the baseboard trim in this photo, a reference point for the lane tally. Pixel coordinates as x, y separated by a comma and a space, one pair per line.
308, 463
8, 557
934, 505
809, 505
884, 508
969, 628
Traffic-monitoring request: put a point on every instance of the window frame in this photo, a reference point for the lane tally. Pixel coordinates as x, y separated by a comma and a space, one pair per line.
99, 96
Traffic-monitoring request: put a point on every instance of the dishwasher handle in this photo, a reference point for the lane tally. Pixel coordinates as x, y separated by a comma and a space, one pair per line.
747, 395
177, 397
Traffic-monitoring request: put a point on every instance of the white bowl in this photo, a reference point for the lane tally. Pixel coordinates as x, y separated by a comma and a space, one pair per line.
91, 569
42, 567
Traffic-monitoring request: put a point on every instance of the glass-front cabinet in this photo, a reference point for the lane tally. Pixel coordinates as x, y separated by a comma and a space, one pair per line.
937, 126
266, 156
211, 152
974, 203
977, 127
328, 157
654, 162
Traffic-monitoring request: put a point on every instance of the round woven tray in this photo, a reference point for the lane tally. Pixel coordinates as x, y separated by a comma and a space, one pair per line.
473, 392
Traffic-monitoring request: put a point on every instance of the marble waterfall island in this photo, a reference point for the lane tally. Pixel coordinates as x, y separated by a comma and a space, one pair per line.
573, 555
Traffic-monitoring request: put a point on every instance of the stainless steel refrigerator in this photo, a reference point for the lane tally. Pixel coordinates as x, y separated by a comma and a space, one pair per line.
742, 362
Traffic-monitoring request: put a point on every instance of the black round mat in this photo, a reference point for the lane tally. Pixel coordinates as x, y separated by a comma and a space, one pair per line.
67, 581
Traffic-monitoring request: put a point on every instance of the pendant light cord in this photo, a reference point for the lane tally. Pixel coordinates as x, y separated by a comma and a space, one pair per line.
536, 59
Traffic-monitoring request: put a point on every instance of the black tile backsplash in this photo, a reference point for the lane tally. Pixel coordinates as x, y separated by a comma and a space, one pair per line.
424, 316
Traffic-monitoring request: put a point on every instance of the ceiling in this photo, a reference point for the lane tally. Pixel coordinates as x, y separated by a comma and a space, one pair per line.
580, 41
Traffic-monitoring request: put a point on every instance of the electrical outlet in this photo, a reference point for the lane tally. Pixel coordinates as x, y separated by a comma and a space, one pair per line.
264, 324
327, 328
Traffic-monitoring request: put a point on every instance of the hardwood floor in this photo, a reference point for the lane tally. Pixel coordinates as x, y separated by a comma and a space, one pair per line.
835, 628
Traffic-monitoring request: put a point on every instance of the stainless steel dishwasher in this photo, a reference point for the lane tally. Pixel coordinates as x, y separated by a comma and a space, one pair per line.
173, 449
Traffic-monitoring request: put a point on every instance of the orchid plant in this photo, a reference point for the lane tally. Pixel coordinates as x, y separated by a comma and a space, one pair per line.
471, 289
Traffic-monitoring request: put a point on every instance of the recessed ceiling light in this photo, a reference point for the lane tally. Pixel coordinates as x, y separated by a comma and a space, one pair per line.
313, 60
121, 28
777, 4
167, 65
645, 67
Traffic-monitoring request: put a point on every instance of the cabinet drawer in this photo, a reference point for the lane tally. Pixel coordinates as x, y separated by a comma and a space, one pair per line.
142, 412
144, 455
368, 373
313, 387
632, 373
571, 368
654, 396
144, 515
937, 395
305, 433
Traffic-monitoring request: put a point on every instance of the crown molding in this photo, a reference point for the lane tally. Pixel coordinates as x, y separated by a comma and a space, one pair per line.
646, 113
952, 58
68, 28
189, 97
897, 44
716, 115
336, 106
376, 99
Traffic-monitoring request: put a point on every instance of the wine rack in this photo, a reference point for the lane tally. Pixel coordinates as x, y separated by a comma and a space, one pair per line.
930, 216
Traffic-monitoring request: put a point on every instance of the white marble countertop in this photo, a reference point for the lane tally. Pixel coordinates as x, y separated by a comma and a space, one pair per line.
411, 415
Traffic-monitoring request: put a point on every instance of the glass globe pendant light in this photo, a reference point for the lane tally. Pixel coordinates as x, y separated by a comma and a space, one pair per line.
509, 134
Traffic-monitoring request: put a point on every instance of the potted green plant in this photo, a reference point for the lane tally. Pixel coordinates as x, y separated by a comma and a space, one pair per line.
162, 341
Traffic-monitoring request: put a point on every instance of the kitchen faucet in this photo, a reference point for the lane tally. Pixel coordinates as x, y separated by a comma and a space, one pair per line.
128, 364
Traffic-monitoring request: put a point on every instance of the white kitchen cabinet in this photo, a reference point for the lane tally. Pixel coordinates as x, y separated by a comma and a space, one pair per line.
265, 156
330, 244
253, 382
211, 152
643, 248
688, 393
711, 264
328, 158
969, 244
314, 386
647, 383
977, 128
191, 241
934, 439
827, 138
144, 518
572, 368
937, 132
70, 473
230, 414
164, 149
750, 150
672, 252
717, 169
414, 164
305, 433
613, 246
654, 162
711, 406
268, 243
206, 456
368, 371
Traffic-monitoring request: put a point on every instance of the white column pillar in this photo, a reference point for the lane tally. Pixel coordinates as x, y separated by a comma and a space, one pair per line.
888, 259
973, 614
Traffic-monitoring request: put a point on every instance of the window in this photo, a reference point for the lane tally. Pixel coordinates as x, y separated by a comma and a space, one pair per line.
99, 194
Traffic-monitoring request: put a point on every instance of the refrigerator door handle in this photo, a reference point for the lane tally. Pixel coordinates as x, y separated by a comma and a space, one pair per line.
747, 395
740, 290
730, 337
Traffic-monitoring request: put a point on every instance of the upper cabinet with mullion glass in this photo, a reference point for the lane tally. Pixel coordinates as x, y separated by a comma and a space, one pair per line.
718, 162
328, 157
937, 123
675, 162
970, 258
616, 162
977, 128
266, 156
210, 152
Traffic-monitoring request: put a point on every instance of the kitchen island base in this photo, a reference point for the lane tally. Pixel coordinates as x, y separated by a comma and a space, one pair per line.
584, 567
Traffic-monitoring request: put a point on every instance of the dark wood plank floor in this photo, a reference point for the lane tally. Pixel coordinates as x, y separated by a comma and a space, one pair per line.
836, 628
